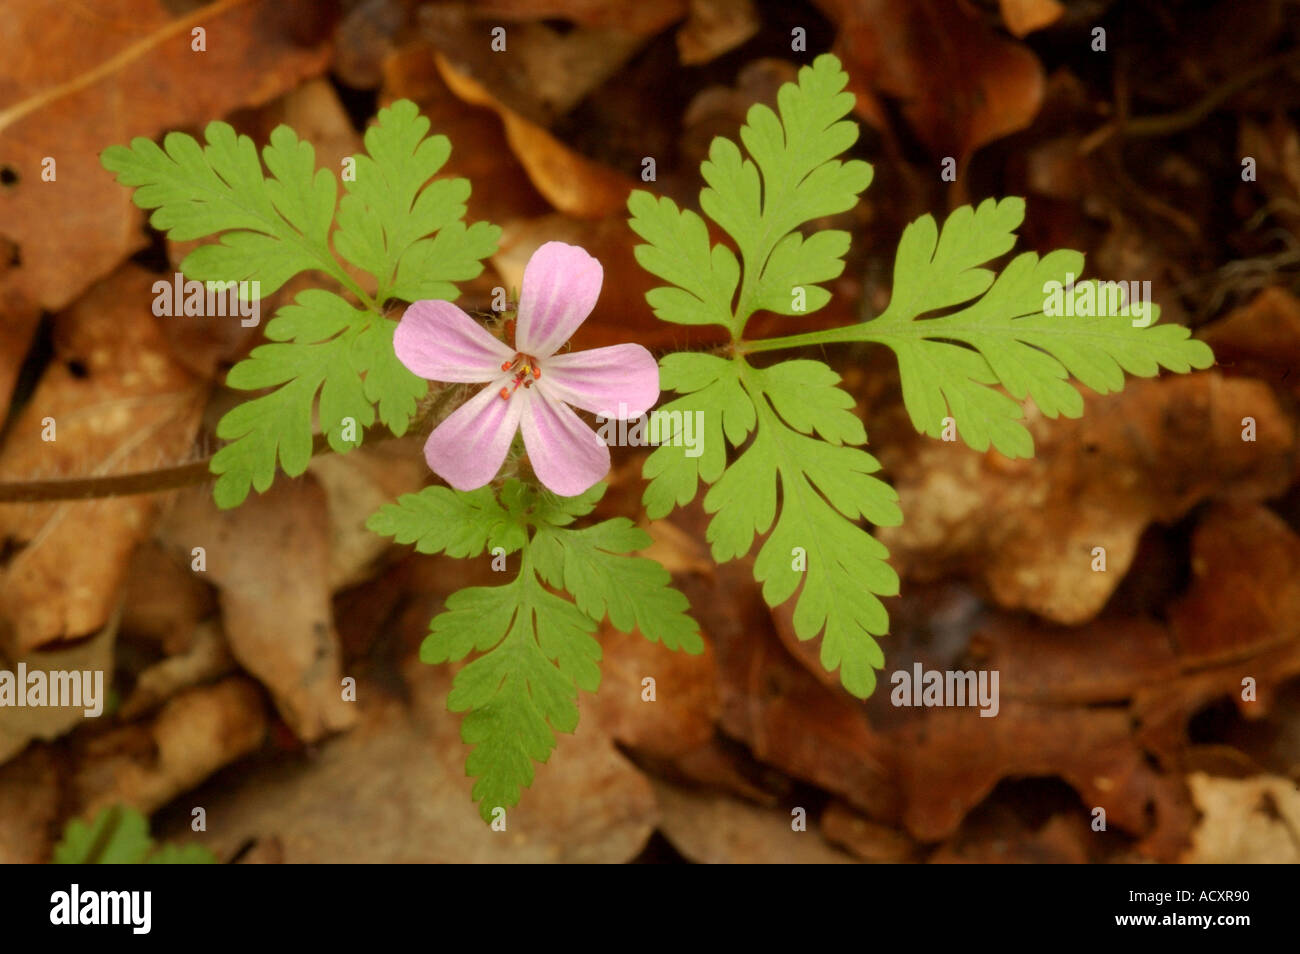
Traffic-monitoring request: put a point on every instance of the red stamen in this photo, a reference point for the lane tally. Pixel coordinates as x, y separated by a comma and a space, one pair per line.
526, 367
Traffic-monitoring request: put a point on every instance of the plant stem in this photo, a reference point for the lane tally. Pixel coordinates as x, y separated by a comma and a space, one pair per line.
170, 478
839, 335
121, 485
344, 279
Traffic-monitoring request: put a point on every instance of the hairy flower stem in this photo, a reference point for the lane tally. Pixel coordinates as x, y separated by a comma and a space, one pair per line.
170, 478
827, 336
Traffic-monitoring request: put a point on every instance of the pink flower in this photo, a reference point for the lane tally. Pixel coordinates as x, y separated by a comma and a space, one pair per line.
530, 387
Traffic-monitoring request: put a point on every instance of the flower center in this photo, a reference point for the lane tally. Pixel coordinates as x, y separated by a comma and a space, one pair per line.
526, 369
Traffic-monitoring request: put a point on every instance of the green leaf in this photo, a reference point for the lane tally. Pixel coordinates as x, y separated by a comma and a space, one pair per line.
191, 854
802, 457
395, 221
800, 479
712, 390
1000, 335
815, 546
120, 835
535, 648
792, 177
461, 524
273, 228
392, 208
971, 343
703, 278
455, 254
635, 592
277, 427
537, 651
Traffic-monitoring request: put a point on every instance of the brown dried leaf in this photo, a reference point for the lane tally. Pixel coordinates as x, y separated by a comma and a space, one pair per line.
1029, 528
270, 559
715, 27
1023, 17
711, 828
194, 735
163, 602
541, 74
1246, 592
573, 184
866, 839
366, 36
143, 78
120, 403
356, 485
1261, 339
680, 717
644, 18
501, 190
1007, 839
961, 84
399, 777
1245, 821
206, 658
29, 807
19, 725
19, 319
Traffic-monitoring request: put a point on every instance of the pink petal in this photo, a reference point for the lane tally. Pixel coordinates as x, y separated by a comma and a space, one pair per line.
566, 454
561, 285
439, 342
468, 448
617, 382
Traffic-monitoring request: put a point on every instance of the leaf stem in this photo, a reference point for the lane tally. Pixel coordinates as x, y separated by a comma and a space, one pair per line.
344, 279
841, 335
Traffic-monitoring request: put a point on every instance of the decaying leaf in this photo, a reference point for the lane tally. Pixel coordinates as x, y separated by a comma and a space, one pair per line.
961, 85
66, 99
30, 789
1031, 529
711, 828
573, 184
1245, 821
270, 559
19, 725
113, 401
714, 27
146, 765
205, 659
399, 777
